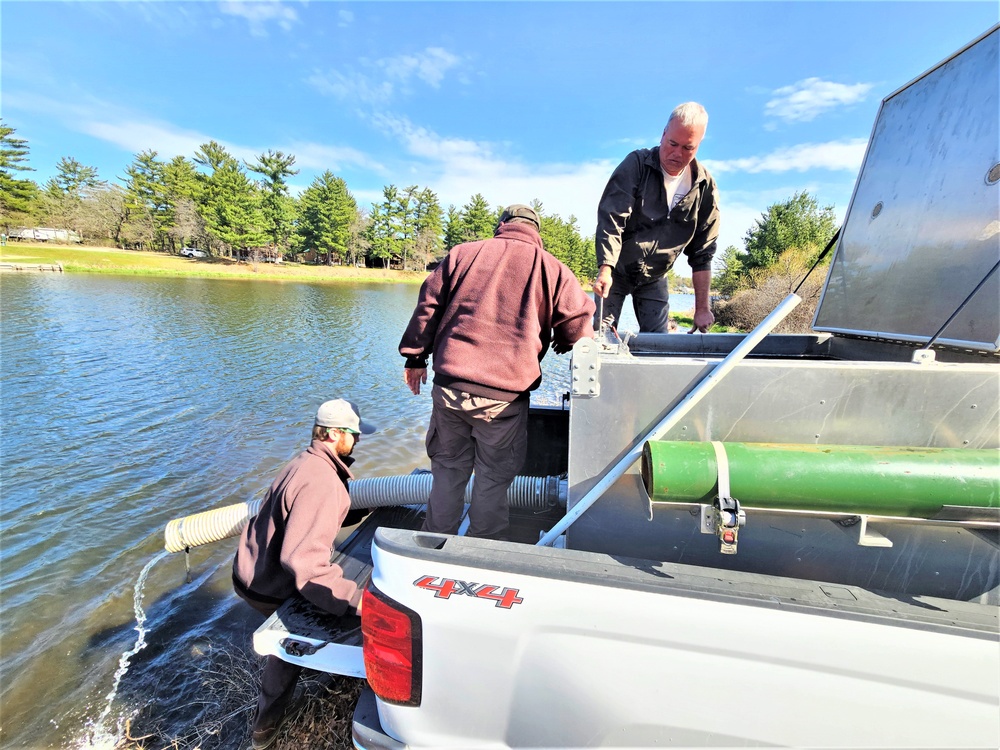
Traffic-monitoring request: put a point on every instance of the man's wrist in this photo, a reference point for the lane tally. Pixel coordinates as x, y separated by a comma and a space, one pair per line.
416, 363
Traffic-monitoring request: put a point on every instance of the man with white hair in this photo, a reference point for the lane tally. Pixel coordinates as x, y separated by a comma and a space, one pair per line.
658, 203
286, 548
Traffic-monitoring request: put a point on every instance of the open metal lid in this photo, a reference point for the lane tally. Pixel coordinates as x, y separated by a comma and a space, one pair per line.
923, 227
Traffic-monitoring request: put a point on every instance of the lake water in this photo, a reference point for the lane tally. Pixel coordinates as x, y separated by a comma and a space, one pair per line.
127, 402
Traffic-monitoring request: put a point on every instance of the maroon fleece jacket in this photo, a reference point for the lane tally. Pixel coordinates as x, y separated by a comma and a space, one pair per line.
489, 311
287, 546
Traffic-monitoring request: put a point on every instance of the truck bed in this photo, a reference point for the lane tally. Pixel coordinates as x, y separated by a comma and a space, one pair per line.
601, 650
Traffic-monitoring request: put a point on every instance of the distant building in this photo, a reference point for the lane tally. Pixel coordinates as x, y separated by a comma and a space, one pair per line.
45, 234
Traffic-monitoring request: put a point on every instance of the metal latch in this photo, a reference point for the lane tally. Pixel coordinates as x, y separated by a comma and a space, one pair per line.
725, 517
299, 648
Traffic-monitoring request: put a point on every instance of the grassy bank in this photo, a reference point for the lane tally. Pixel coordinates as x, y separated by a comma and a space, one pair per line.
76, 259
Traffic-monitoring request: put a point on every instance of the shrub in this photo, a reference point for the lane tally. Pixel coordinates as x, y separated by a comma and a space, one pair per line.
762, 289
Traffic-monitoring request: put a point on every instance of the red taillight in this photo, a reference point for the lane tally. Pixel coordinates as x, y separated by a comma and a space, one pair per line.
392, 648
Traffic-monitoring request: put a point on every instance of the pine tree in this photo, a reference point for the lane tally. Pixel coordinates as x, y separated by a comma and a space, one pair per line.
796, 223
72, 179
229, 201
427, 238
18, 198
148, 211
478, 220
65, 193
183, 191
328, 217
454, 228
276, 204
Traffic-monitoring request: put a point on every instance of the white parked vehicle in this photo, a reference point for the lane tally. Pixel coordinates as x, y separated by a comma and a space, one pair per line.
193, 252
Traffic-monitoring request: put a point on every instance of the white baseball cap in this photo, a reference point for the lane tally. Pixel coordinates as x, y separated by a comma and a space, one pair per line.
342, 415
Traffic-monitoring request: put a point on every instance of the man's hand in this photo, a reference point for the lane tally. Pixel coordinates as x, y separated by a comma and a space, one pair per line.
414, 376
602, 285
703, 317
703, 320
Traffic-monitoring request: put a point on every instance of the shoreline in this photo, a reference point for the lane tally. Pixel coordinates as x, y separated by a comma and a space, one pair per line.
113, 261
117, 262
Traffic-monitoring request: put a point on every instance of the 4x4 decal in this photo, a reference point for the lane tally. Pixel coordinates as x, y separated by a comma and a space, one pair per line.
443, 588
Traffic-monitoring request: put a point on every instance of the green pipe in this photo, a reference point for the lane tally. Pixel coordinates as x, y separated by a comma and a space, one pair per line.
860, 479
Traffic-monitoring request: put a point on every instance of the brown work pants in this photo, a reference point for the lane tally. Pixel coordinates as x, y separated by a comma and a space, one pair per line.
467, 433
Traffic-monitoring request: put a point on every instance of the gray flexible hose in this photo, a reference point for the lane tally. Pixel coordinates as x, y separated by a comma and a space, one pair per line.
526, 493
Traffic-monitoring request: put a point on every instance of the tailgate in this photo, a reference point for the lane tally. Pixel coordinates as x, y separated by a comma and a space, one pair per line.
303, 634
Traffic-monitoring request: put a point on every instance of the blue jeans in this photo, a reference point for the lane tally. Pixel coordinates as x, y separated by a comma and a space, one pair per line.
650, 300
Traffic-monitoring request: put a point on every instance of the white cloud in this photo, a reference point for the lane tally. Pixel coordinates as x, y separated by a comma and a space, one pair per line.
429, 66
133, 133
456, 169
388, 76
259, 13
843, 155
334, 158
354, 88
167, 140
805, 100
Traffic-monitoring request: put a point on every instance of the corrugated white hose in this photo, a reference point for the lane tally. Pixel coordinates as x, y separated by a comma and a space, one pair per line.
527, 493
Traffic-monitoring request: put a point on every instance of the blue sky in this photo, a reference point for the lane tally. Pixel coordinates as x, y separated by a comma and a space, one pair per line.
517, 101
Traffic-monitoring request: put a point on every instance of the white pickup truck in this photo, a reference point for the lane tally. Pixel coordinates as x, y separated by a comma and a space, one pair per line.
858, 606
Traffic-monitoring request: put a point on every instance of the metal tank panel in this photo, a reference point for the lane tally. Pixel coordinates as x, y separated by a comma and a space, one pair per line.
784, 398
923, 227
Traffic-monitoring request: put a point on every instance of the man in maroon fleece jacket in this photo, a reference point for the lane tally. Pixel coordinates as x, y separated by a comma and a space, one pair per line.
286, 548
487, 315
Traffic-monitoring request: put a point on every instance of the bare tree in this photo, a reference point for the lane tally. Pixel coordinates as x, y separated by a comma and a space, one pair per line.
357, 244
101, 214
188, 225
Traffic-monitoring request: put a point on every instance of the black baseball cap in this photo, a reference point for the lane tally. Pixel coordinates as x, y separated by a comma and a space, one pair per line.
520, 211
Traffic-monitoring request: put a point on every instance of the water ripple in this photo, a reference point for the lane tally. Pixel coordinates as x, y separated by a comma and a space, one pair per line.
129, 402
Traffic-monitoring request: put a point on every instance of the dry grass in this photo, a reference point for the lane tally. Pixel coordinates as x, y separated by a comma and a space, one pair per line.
228, 688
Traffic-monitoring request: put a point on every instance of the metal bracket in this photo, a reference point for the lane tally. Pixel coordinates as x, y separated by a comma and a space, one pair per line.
867, 537
924, 357
585, 367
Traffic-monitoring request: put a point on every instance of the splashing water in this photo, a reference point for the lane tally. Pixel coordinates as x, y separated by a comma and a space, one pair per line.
99, 737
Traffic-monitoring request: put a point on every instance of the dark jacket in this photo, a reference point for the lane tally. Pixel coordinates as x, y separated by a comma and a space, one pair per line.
638, 236
489, 311
286, 548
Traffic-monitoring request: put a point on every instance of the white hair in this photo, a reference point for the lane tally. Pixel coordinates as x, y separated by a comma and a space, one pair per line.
690, 115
